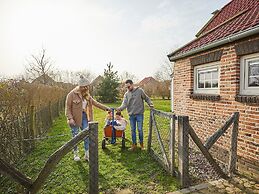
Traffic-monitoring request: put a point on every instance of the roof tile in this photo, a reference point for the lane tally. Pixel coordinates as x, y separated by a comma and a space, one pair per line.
217, 29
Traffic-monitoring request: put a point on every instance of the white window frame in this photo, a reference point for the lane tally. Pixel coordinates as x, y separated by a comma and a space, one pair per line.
244, 88
206, 67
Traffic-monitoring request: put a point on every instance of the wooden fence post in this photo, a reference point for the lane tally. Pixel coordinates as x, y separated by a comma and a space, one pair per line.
183, 150
172, 145
93, 158
150, 132
233, 148
50, 113
32, 128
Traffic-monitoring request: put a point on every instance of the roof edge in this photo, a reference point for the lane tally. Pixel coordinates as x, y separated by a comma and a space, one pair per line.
216, 14
208, 22
231, 38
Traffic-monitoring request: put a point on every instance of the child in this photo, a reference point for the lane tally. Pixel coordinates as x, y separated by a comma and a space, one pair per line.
108, 119
120, 121
107, 122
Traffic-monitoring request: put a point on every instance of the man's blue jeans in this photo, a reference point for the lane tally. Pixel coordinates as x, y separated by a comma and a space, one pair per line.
136, 120
75, 131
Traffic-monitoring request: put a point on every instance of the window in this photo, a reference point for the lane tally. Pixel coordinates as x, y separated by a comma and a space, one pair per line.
206, 79
249, 75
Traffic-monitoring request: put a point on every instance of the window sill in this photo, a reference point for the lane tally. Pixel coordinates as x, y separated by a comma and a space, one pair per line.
210, 97
247, 99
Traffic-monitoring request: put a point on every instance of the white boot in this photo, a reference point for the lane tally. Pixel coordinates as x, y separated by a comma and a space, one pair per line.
76, 156
87, 155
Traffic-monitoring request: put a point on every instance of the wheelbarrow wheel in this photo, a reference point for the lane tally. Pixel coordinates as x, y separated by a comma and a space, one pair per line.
103, 144
123, 142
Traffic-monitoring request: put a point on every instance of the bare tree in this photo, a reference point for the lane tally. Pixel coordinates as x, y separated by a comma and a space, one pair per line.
73, 76
127, 75
165, 71
40, 65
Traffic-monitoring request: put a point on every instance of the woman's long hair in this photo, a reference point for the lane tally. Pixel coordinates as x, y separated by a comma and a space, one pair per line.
86, 94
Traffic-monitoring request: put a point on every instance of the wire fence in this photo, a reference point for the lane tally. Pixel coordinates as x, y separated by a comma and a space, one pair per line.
32, 124
180, 151
161, 139
163, 128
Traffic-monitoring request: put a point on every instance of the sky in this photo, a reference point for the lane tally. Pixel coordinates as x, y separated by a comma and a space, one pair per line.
134, 35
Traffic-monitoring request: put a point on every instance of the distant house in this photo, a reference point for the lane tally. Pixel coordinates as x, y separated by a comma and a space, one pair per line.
94, 85
217, 74
44, 79
150, 85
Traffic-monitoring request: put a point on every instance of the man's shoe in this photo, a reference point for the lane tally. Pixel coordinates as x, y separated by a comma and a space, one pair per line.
87, 155
133, 147
142, 146
76, 157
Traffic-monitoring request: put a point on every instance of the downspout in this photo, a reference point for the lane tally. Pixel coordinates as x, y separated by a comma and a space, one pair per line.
172, 90
223, 41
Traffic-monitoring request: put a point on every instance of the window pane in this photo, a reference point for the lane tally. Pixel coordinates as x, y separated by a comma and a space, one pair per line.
207, 75
214, 75
201, 76
253, 82
214, 83
253, 70
207, 84
207, 79
201, 84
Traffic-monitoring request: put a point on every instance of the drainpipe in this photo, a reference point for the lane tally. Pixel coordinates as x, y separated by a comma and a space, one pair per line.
172, 90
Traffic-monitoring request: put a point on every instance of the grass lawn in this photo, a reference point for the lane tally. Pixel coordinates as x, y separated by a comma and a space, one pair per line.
118, 169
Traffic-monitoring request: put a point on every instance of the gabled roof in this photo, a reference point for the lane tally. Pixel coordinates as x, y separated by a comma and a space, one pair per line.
41, 80
97, 80
147, 80
235, 17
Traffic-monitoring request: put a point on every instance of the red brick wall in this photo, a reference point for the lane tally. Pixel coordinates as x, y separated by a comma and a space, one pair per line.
207, 116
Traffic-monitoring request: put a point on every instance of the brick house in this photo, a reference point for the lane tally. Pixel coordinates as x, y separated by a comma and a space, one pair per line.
94, 85
150, 85
217, 74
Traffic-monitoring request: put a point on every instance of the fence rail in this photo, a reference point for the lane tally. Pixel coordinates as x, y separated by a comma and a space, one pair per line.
173, 153
34, 186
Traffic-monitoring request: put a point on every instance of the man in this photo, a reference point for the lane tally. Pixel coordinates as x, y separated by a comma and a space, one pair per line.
133, 101
79, 111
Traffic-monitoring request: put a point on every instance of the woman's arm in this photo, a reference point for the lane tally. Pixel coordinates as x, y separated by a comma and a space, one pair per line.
68, 107
99, 105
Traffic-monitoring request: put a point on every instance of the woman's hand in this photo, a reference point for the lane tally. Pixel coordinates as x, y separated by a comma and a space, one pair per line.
108, 109
71, 122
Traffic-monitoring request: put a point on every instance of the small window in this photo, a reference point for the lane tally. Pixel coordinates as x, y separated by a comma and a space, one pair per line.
249, 75
206, 79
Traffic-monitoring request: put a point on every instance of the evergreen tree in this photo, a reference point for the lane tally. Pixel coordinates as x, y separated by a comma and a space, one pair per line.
108, 89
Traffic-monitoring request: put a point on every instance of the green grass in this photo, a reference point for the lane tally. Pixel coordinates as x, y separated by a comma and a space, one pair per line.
118, 169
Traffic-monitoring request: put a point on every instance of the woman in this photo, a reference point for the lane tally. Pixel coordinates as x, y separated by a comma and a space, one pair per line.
79, 111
